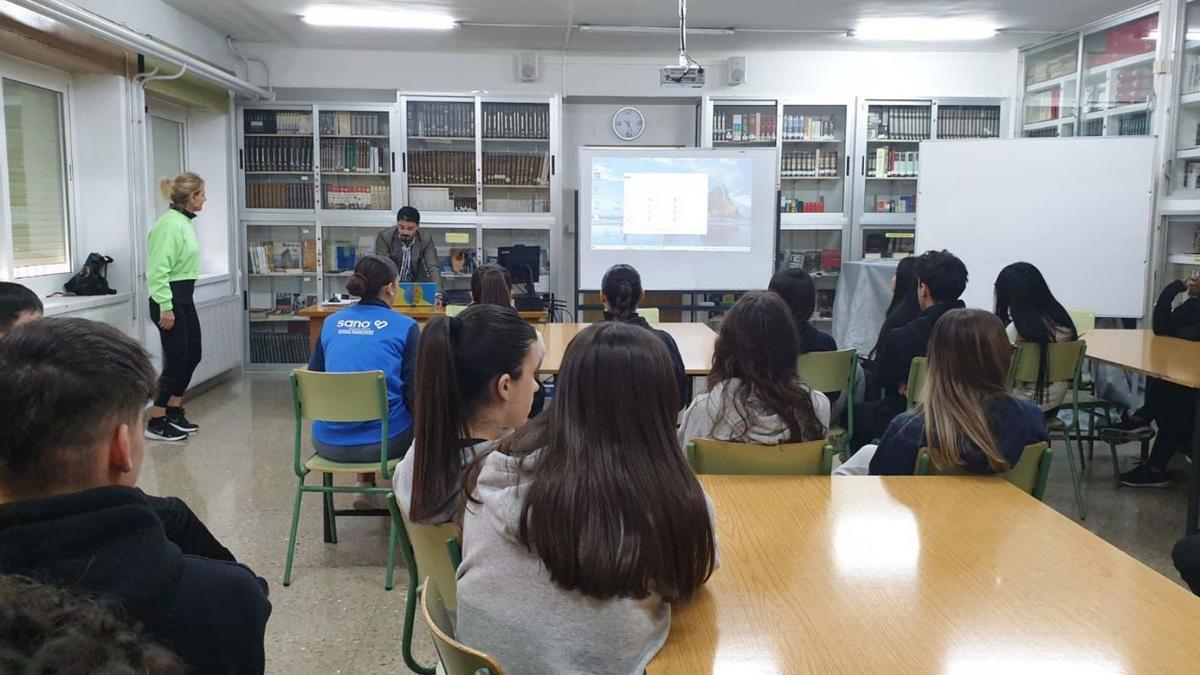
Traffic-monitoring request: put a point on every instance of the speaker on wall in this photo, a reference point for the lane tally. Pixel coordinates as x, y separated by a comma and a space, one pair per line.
737, 70
527, 67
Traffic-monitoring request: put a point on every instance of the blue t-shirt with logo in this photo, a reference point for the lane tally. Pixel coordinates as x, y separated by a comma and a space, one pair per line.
362, 337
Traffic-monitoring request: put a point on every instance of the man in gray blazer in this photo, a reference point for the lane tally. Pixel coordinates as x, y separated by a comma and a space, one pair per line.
414, 253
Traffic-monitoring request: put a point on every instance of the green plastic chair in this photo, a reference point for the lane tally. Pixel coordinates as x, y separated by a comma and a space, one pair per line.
1064, 362
340, 397
708, 456
1030, 473
830, 372
918, 373
455, 310
456, 658
430, 552
650, 314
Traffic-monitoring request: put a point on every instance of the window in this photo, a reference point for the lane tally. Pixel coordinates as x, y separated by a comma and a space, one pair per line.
166, 143
37, 183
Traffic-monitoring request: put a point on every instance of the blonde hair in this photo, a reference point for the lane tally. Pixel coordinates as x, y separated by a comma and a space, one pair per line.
969, 358
179, 190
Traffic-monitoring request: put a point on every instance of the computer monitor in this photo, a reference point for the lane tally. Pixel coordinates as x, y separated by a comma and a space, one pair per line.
522, 262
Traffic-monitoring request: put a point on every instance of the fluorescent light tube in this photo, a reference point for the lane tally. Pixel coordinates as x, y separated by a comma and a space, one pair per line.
674, 30
363, 17
923, 30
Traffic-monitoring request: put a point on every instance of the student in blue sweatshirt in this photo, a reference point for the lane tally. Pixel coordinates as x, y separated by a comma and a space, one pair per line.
369, 336
969, 420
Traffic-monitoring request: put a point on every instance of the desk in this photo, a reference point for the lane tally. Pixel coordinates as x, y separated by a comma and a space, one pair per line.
1166, 358
695, 341
931, 574
316, 315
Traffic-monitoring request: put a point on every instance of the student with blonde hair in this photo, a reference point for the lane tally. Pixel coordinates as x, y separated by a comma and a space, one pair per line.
171, 271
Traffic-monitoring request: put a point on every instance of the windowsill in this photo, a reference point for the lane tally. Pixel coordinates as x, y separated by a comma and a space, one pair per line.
210, 279
67, 305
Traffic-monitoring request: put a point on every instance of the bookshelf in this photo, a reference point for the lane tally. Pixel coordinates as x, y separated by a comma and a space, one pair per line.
814, 165
276, 159
440, 155
1185, 169
744, 124
516, 157
1118, 78
281, 279
356, 159
1051, 86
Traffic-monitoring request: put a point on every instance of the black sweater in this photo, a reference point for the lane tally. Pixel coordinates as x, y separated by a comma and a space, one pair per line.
681, 377
106, 542
906, 343
1181, 322
815, 340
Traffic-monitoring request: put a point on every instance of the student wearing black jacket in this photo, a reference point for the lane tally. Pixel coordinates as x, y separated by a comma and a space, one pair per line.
621, 291
941, 279
797, 289
1172, 406
73, 394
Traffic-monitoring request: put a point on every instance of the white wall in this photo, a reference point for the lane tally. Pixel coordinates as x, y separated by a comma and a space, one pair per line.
166, 23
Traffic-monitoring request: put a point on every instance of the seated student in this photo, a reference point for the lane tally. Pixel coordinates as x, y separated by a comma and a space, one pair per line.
476, 377
754, 393
18, 305
903, 308
74, 394
797, 289
1032, 314
968, 421
491, 284
1171, 406
621, 291
369, 336
46, 629
584, 526
941, 279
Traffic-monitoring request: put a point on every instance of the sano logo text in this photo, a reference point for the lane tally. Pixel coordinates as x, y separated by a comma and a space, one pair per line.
361, 324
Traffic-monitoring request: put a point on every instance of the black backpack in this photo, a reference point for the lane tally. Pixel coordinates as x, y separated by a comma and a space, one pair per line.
92, 278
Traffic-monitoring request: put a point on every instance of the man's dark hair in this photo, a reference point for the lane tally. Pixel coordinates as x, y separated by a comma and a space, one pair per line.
15, 299
408, 213
943, 273
45, 629
64, 384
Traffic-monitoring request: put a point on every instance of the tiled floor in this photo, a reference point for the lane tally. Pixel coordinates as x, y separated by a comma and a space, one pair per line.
336, 617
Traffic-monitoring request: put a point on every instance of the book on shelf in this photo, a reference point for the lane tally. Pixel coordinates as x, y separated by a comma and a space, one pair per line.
432, 119
901, 204
516, 120
353, 155
516, 168
353, 123
790, 205
272, 194
809, 127
1042, 106
969, 121
358, 197
742, 127
815, 261
532, 202
278, 122
898, 122
887, 162
288, 257
283, 303
456, 167
309, 257
278, 154
811, 164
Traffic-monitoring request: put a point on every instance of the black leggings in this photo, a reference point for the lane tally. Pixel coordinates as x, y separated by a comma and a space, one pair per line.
181, 350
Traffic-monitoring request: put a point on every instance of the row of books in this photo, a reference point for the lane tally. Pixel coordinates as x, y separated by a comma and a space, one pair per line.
1124, 41
1191, 174
354, 124
811, 163
353, 155
455, 120
516, 168
516, 204
357, 197
787, 205
898, 122
442, 199
278, 122
287, 257
279, 154
902, 204
453, 167
887, 162
268, 346
740, 127
342, 256
279, 195
1191, 72
1049, 132
815, 261
1043, 106
809, 128
1137, 124
1134, 84
1061, 65
516, 120
888, 245
968, 121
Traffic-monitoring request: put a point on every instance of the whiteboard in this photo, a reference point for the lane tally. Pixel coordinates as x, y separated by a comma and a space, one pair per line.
1080, 209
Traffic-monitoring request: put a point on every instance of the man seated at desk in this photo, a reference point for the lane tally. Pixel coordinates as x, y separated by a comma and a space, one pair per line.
414, 253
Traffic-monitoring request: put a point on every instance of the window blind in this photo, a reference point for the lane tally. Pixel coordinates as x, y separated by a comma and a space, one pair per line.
33, 130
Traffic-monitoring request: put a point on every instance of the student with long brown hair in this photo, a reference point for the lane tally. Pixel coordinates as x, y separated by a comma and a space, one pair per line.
475, 382
491, 284
969, 420
584, 526
755, 394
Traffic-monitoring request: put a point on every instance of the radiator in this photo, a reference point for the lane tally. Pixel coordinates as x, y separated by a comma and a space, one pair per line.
222, 325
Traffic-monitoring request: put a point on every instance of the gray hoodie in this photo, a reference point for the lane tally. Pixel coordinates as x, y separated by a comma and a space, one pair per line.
704, 418
510, 609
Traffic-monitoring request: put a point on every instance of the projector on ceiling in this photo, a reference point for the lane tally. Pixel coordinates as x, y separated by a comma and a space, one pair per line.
683, 77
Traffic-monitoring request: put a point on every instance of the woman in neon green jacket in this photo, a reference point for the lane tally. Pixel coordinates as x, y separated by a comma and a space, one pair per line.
171, 272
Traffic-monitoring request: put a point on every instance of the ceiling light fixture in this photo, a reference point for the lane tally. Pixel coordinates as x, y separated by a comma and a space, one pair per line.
590, 28
922, 30
362, 17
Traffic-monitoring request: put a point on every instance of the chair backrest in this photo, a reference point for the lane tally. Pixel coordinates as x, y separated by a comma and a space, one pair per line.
650, 314
340, 397
708, 456
457, 658
1063, 362
918, 374
432, 556
1029, 474
1084, 320
454, 310
828, 372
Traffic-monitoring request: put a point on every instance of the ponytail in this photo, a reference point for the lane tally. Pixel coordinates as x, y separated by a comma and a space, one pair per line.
179, 190
622, 288
371, 275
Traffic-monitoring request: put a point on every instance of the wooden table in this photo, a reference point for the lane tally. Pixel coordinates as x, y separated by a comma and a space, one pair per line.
930, 574
695, 340
316, 315
1166, 358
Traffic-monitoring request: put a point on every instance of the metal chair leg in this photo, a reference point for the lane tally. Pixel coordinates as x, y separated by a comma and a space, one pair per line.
287, 570
330, 517
1075, 475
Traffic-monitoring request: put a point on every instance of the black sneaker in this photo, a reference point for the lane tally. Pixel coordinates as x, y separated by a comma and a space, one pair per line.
159, 429
177, 419
1132, 424
1144, 475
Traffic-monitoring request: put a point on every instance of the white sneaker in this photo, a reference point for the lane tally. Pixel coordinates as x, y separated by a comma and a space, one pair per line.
369, 502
